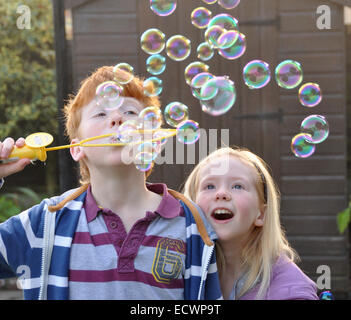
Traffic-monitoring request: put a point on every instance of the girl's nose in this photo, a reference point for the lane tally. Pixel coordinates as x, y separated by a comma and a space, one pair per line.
223, 195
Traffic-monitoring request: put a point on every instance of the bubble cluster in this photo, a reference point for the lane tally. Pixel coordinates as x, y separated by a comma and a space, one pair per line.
256, 74
163, 8
310, 94
175, 113
288, 74
200, 17
153, 41
156, 64
178, 47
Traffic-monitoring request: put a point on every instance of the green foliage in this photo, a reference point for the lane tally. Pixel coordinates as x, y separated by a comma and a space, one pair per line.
27, 70
7, 209
343, 218
17, 201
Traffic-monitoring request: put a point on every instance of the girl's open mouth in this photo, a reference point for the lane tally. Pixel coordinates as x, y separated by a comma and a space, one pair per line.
222, 214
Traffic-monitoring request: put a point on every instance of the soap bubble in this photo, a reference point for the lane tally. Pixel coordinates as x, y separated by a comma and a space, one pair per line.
197, 83
128, 131
153, 41
220, 95
326, 295
150, 118
156, 64
209, 1
151, 148
228, 39
160, 138
212, 35
300, 147
188, 132
256, 74
123, 77
163, 8
178, 47
175, 113
310, 94
228, 4
200, 17
236, 50
108, 94
288, 74
193, 69
143, 161
153, 86
225, 21
205, 51
317, 128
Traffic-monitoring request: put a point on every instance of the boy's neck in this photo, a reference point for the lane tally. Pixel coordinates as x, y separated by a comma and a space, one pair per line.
120, 190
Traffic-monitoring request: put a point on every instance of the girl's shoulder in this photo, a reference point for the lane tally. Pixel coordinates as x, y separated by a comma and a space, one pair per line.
289, 282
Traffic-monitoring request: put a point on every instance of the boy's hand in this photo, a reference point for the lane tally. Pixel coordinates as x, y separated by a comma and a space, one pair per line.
6, 148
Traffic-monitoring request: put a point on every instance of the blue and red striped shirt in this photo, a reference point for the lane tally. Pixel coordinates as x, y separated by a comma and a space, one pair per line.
146, 263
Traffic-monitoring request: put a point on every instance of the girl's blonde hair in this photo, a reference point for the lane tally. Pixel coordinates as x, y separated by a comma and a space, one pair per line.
266, 243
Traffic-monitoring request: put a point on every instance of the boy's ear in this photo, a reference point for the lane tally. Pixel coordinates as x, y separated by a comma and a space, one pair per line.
260, 217
77, 152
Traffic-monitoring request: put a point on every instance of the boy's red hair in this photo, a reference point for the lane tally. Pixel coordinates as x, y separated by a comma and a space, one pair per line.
86, 93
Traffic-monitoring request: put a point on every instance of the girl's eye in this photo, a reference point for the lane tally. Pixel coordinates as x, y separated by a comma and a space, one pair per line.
237, 186
209, 187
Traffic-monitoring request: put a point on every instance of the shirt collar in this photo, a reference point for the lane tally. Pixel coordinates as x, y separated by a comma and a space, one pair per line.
168, 208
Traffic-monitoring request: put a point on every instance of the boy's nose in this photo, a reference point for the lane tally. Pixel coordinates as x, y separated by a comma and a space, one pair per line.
223, 195
115, 120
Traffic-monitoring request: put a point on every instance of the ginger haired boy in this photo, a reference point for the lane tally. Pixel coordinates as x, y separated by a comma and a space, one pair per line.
115, 237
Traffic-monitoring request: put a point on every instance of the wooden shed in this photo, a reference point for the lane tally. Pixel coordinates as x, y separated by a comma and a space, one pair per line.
314, 189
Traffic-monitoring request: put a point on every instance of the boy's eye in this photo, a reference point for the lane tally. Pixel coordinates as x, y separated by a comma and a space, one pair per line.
100, 114
131, 113
237, 186
209, 186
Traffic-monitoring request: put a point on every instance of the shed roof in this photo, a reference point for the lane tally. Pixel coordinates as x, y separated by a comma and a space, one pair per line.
77, 3
343, 2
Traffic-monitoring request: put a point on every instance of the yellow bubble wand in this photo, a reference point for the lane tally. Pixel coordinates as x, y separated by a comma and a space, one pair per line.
36, 143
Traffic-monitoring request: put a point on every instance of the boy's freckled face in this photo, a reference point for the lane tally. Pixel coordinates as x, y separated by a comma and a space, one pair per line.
97, 120
229, 200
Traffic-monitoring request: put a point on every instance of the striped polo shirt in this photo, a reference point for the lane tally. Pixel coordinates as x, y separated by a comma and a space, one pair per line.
147, 263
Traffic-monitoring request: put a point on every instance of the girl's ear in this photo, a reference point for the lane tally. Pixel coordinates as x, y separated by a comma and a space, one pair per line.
260, 217
77, 152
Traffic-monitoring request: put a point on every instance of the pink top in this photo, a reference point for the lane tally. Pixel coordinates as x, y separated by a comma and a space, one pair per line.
288, 282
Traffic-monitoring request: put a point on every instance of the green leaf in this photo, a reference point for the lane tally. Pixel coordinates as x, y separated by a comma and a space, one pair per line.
343, 219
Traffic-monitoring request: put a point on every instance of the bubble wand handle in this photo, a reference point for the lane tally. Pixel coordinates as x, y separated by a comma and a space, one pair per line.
26, 152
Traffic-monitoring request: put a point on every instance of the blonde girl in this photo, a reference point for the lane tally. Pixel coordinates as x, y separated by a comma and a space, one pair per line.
240, 199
